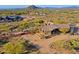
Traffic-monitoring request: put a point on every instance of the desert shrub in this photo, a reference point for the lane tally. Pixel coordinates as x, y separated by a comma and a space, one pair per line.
38, 21
22, 25
31, 25
14, 48
64, 30
3, 41
72, 44
4, 27
35, 23
57, 44
19, 46
30, 47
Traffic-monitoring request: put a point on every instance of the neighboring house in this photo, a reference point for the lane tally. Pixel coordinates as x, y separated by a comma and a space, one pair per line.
40, 14
14, 18
10, 18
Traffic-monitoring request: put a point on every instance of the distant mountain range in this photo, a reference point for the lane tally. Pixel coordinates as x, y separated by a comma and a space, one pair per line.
52, 7
38, 7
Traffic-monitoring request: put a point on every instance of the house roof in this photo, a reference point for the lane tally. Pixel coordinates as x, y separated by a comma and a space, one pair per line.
50, 27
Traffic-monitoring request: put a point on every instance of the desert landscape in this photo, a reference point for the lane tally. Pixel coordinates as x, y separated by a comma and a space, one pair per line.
39, 30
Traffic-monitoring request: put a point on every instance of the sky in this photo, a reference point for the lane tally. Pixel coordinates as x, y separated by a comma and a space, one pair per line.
12, 6
56, 6
25, 6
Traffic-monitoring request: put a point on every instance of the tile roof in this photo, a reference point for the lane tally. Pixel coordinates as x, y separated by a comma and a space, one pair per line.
54, 26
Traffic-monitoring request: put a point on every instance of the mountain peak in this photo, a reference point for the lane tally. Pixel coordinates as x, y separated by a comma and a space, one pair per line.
33, 7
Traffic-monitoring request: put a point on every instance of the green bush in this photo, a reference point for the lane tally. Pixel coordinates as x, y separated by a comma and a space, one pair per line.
4, 27
57, 44
19, 46
33, 26
14, 47
22, 24
72, 44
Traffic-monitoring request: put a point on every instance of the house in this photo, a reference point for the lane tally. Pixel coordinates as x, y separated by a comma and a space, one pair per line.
11, 18
14, 18
54, 28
